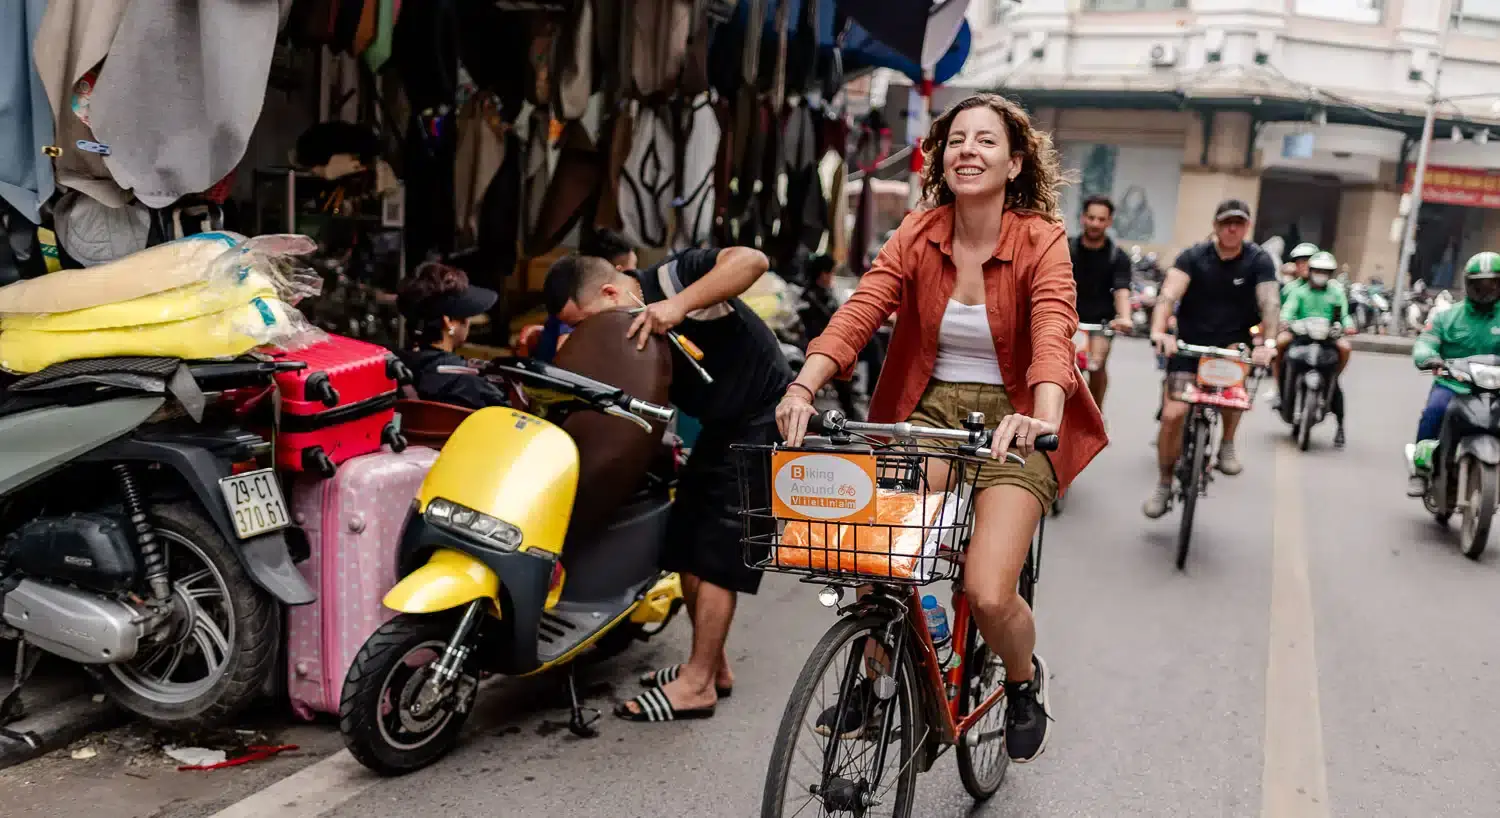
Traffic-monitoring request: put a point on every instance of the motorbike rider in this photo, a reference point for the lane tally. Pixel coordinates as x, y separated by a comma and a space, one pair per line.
1225, 286
1299, 258
1101, 271
1320, 297
439, 303
695, 293
1471, 327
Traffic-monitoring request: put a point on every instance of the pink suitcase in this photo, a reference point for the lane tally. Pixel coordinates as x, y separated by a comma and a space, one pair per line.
353, 524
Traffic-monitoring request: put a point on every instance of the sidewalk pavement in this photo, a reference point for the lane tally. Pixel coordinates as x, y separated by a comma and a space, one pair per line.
1388, 344
60, 707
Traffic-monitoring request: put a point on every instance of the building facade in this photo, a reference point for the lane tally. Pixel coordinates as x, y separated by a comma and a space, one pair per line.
1310, 110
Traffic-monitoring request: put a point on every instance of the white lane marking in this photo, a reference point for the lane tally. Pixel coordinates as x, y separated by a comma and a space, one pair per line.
1294, 783
309, 793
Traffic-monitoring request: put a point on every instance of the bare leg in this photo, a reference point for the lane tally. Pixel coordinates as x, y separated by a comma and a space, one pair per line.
1005, 518
713, 612
1231, 423
1098, 372
724, 678
1169, 440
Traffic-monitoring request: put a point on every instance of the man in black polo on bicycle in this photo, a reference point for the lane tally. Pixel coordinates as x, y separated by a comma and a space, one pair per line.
1101, 271
1221, 289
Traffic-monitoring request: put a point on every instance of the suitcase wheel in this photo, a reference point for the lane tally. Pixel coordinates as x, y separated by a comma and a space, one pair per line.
316, 461
396, 370
392, 437
319, 388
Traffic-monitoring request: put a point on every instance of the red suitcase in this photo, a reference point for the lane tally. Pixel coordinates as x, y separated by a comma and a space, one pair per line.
341, 406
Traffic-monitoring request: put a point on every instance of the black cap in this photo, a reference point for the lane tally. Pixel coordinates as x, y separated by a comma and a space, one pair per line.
1232, 209
466, 303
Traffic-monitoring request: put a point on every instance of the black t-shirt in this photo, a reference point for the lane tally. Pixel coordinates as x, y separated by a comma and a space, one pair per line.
470, 391
739, 351
1098, 273
1220, 306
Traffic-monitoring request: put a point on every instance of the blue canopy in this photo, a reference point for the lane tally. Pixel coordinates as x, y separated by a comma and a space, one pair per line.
861, 50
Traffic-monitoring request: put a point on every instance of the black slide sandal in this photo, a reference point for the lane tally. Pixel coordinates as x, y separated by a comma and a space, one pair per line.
666, 675
655, 707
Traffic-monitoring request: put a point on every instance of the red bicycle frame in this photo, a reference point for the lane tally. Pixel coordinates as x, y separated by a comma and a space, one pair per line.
954, 722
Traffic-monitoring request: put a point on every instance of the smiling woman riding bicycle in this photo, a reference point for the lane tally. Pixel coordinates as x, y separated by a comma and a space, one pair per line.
982, 287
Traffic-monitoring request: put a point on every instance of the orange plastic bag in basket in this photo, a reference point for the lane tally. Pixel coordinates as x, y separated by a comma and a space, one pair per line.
890, 548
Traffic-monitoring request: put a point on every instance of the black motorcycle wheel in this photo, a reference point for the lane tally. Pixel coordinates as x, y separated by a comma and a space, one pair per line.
1196, 460
223, 634
1479, 507
390, 669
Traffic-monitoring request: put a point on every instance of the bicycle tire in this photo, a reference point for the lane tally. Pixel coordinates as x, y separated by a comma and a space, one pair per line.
1190, 488
981, 784
838, 639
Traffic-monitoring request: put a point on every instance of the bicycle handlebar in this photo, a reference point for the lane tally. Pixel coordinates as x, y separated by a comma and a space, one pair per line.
1193, 351
1097, 329
833, 422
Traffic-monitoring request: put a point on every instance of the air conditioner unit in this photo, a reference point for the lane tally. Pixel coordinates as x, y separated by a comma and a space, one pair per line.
1163, 55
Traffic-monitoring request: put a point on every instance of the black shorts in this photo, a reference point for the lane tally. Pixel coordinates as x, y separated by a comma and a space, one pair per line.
705, 529
1096, 314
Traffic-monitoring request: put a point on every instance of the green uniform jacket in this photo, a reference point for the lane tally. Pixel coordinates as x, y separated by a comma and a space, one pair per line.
1307, 302
1458, 332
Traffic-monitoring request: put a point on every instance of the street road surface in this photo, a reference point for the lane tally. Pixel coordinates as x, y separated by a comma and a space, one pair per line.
1326, 653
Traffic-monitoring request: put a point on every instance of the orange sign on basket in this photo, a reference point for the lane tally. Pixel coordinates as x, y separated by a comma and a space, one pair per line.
823, 487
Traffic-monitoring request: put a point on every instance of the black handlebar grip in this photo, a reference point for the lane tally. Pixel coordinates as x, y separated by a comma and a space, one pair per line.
815, 425
1046, 443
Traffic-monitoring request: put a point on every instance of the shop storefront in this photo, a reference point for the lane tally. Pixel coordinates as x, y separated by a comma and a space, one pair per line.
1460, 216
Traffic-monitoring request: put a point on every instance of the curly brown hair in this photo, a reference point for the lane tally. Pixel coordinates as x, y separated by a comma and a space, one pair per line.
1034, 190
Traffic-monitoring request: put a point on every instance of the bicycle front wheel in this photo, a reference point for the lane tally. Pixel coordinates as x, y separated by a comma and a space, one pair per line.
1197, 460
982, 758
836, 724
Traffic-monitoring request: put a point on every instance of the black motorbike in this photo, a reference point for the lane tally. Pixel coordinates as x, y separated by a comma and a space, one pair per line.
1310, 375
144, 534
1465, 472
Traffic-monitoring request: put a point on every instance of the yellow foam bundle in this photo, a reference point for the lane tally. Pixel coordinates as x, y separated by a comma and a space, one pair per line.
233, 330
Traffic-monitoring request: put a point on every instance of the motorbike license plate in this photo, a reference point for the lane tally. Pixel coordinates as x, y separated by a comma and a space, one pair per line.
1219, 373
255, 503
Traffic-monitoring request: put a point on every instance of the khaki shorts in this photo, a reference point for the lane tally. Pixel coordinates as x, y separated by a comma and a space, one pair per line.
945, 405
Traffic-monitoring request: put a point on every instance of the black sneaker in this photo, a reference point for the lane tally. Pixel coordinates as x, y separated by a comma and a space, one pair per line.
1027, 721
851, 715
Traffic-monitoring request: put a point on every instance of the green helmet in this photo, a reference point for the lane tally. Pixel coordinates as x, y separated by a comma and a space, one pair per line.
1482, 265
1324, 261
1304, 250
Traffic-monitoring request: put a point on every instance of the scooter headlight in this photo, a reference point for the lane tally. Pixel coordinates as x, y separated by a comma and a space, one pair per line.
1485, 377
454, 517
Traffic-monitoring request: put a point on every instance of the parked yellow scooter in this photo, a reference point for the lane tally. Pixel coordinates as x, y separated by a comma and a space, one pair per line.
487, 585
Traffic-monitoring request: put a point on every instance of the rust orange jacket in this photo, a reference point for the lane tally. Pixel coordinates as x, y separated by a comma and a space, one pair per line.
1030, 295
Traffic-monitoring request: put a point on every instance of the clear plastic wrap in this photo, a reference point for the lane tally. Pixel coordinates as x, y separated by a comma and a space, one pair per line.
902, 543
239, 298
774, 300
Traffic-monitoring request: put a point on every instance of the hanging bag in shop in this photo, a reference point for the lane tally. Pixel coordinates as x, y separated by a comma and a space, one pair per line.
804, 215
697, 143
648, 181
659, 42
535, 175
574, 64
574, 181
617, 150
346, 24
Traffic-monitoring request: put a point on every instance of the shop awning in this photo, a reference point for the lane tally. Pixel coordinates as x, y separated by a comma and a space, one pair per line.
1262, 106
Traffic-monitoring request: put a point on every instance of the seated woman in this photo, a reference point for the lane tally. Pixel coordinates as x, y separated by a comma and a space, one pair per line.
439, 303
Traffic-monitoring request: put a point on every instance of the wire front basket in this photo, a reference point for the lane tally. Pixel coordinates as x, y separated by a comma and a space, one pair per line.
920, 524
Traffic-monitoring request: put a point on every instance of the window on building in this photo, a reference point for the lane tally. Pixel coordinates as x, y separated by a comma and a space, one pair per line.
1134, 5
1480, 18
1353, 11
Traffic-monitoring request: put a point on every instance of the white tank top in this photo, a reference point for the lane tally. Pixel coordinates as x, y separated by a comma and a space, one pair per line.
966, 350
